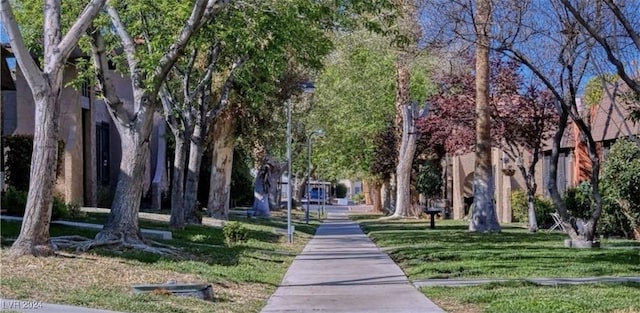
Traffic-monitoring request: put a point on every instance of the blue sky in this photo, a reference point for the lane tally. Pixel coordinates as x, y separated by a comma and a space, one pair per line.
4, 38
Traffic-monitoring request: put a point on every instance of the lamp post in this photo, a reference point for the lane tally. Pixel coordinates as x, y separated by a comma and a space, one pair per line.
307, 87
289, 230
319, 132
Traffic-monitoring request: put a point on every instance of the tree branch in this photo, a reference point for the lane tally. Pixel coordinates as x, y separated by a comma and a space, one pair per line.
52, 35
28, 65
82, 23
225, 90
202, 11
607, 47
128, 44
100, 62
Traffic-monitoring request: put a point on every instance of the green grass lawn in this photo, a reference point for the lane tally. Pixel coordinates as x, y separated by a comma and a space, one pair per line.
450, 251
243, 275
519, 297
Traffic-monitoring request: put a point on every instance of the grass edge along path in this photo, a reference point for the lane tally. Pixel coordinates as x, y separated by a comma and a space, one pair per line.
243, 275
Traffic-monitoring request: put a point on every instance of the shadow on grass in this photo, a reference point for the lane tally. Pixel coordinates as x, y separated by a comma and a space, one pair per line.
451, 250
199, 243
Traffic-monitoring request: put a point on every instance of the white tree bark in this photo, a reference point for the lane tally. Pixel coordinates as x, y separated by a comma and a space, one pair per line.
177, 182
404, 207
135, 130
46, 86
221, 165
193, 175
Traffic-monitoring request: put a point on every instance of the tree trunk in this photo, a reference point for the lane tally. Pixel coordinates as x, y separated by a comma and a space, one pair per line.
299, 188
193, 177
274, 191
376, 195
221, 165
34, 234
177, 181
122, 223
531, 211
406, 150
261, 192
531, 186
265, 186
552, 186
484, 217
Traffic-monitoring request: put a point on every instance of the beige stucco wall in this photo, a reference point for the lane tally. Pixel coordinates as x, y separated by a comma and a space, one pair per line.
156, 164
78, 138
462, 175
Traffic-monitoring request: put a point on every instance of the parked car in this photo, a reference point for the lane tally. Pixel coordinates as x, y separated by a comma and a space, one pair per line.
317, 195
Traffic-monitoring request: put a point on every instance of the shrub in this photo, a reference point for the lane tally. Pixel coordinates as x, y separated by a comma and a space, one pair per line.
357, 198
74, 210
429, 180
15, 202
621, 190
578, 200
18, 162
59, 208
235, 232
544, 207
18, 159
341, 190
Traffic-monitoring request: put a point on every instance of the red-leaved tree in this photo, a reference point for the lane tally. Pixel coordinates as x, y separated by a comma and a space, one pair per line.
523, 118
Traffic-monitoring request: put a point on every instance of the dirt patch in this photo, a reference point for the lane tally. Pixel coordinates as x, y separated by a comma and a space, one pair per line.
457, 307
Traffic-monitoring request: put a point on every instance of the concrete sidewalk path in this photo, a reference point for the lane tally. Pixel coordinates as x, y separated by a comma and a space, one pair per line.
539, 281
341, 270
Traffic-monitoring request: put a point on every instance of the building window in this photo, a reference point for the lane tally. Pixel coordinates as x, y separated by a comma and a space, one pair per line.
85, 89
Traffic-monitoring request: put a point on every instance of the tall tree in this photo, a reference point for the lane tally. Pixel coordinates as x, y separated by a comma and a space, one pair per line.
524, 122
613, 25
483, 216
46, 85
189, 110
148, 66
560, 59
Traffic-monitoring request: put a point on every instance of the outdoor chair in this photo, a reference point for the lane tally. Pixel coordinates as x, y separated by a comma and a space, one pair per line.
557, 222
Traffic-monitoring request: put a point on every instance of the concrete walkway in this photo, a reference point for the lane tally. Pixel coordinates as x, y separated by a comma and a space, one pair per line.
341, 270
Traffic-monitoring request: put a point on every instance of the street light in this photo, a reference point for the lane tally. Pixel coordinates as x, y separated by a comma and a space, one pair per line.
319, 132
289, 230
307, 87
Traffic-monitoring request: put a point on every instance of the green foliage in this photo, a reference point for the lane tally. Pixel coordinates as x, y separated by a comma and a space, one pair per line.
621, 188
234, 232
594, 89
18, 161
15, 202
357, 198
578, 200
74, 210
341, 190
241, 192
429, 179
59, 208
543, 208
